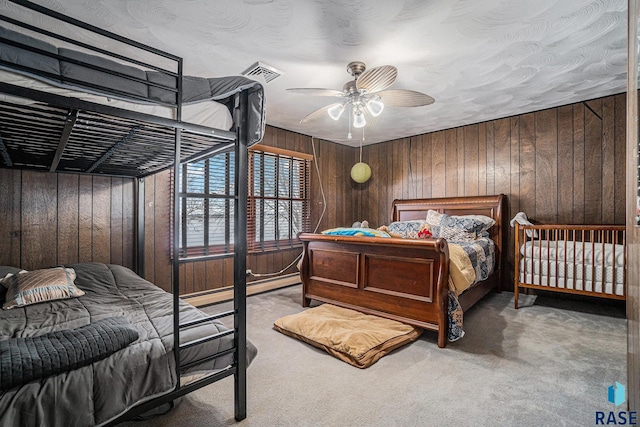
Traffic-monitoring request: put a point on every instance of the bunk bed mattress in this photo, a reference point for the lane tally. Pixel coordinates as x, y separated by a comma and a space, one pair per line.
95, 394
62, 67
206, 113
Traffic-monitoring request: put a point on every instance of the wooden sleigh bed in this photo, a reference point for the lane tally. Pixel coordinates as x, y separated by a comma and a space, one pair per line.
399, 279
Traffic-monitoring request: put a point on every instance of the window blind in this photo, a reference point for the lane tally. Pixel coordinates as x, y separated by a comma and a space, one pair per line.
278, 202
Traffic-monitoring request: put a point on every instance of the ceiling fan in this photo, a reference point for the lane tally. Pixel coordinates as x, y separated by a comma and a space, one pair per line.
365, 96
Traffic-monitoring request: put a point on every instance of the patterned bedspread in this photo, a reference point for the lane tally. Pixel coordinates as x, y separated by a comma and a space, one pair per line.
482, 254
470, 263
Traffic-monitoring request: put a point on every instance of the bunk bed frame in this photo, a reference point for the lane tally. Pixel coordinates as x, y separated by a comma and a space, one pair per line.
173, 142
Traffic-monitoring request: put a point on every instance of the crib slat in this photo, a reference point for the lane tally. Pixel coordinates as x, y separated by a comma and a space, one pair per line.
564, 264
548, 262
614, 265
593, 262
532, 260
604, 260
575, 268
584, 271
624, 245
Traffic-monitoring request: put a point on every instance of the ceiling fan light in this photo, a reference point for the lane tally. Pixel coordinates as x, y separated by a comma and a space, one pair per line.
375, 107
358, 119
336, 111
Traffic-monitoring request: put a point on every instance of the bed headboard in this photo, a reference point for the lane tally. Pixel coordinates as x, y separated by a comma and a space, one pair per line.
491, 206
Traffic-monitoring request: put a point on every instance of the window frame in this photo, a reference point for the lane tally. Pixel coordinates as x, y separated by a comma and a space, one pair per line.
302, 160
303, 163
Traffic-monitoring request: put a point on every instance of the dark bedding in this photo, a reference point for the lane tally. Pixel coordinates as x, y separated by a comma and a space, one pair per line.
64, 67
25, 359
99, 392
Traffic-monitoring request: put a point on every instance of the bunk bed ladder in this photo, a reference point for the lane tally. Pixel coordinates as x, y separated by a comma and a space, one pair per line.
239, 366
240, 252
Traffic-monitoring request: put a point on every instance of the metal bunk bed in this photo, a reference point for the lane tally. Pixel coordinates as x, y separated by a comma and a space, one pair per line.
71, 135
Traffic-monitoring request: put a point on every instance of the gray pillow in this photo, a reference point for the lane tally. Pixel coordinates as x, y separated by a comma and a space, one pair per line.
193, 88
4, 270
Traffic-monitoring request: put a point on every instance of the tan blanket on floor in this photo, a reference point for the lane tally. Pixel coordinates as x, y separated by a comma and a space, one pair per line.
353, 337
461, 271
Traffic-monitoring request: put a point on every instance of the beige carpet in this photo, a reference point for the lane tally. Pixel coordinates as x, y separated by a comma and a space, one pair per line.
546, 364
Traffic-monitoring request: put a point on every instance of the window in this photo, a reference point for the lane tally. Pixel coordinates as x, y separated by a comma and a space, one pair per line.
206, 206
278, 202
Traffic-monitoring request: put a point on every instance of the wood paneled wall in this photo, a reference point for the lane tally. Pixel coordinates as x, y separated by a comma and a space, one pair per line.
561, 165
48, 219
157, 226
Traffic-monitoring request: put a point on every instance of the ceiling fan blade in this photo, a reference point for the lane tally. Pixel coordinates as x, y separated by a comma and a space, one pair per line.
404, 98
370, 118
377, 79
316, 91
318, 113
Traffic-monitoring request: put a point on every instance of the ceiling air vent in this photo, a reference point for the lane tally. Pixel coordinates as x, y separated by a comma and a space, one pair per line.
260, 71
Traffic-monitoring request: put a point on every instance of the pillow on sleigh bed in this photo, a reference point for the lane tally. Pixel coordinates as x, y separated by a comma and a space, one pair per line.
405, 229
348, 231
31, 287
463, 228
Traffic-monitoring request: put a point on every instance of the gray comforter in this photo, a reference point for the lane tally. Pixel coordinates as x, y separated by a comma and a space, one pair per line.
97, 393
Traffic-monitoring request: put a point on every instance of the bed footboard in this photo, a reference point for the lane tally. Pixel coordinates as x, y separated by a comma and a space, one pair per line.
400, 279
576, 259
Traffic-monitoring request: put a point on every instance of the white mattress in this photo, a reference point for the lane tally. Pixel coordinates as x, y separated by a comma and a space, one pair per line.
591, 253
581, 266
573, 276
207, 113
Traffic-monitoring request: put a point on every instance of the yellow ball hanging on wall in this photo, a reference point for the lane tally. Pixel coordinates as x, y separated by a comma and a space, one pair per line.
360, 172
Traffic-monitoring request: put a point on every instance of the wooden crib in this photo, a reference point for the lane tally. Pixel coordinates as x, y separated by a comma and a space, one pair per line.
576, 259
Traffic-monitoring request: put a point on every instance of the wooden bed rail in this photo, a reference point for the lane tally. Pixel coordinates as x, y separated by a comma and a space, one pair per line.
400, 279
575, 259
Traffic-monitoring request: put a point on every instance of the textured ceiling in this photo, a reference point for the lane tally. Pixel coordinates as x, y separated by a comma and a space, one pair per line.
480, 59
